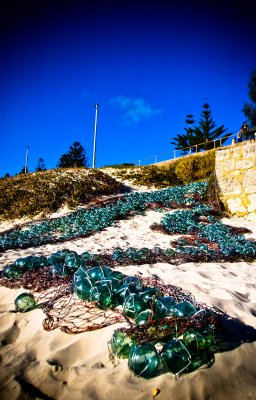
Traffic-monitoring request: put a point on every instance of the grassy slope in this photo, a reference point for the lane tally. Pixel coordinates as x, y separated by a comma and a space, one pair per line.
46, 192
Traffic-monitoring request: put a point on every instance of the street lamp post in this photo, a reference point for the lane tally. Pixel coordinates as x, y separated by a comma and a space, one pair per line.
26, 163
95, 133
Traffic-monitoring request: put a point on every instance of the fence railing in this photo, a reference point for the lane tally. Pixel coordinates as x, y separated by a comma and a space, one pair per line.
196, 148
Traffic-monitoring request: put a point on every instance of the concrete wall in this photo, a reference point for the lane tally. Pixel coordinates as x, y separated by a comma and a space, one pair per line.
236, 177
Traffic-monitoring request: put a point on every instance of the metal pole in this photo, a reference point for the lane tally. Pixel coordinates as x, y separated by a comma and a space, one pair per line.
26, 163
95, 133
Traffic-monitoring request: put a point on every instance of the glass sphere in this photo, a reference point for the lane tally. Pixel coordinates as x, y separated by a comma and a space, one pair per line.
144, 360
95, 274
117, 275
143, 317
72, 260
13, 271
184, 309
198, 340
101, 293
80, 273
175, 356
121, 344
133, 281
149, 293
117, 255
60, 270
164, 306
25, 302
82, 288
133, 305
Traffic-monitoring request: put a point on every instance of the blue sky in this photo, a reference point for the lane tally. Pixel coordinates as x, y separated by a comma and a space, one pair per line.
147, 65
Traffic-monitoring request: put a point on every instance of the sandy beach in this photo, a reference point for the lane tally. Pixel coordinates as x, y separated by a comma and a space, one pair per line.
40, 364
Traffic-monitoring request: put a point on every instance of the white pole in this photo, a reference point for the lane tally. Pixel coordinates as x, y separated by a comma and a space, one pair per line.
95, 133
26, 163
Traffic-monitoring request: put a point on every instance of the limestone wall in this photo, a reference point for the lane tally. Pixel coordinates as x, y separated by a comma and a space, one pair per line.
236, 176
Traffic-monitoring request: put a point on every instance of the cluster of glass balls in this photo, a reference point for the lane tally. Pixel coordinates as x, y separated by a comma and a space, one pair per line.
84, 222
109, 288
190, 221
175, 355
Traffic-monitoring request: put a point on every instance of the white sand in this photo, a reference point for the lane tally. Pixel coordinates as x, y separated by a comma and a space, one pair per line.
36, 363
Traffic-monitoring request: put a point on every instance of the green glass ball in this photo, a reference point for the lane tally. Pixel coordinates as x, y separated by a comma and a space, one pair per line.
143, 253
117, 275
175, 356
143, 317
133, 281
121, 344
184, 309
164, 306
25, 302
26, 263
198, 340
80, 273
102, 294
144, 360
59, 270
82, 288
96, 274
86, 256
72, 260
149, 293
117, 255
133, 305
13, 271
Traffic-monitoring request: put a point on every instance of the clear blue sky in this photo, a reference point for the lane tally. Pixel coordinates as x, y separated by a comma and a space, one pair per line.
147, 64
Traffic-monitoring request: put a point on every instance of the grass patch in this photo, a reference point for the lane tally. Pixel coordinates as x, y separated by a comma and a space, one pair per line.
181, 171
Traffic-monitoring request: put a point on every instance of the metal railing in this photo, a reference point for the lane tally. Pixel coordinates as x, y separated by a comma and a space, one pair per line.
194, 149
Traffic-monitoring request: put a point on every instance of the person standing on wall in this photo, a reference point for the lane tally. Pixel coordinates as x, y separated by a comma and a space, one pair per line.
243, 132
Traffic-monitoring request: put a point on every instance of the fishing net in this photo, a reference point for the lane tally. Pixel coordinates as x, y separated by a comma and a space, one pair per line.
66, 311
162, 325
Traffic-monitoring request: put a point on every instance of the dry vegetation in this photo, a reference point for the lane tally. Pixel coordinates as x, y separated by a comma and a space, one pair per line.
42, 193
180, 171
46, 192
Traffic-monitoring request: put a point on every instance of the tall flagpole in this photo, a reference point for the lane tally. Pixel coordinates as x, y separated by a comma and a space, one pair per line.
95, 133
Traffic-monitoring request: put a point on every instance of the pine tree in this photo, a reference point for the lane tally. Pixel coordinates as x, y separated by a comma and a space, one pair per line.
201, 136
74, 158
206, 131
249, 109
183, 141
40, 165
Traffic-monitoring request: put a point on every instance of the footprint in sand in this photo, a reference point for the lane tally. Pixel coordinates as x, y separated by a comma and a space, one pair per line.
10, 330
239, 296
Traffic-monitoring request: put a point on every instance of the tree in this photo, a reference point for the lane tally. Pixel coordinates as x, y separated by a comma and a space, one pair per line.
74, 158
183, 141
206, 131
249, 109
203, 135
40, 165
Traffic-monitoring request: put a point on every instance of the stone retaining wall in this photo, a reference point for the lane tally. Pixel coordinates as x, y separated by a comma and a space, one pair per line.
235, 168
